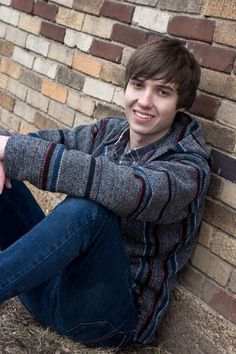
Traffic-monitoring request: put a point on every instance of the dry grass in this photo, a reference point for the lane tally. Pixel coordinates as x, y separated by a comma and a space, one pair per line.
21, 334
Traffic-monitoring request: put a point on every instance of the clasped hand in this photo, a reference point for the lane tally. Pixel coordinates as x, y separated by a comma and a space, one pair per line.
3, 179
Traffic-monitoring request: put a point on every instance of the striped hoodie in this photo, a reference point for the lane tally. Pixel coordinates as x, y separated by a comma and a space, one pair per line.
157, 191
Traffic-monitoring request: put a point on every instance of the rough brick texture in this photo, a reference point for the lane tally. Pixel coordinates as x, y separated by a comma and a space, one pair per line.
89, 6
70, 78
225, 33
223, 165
221, 8
191, 6
52, 31
127, 35
45, 10
213, 57
117, 11
206, 106
193, 28
6, 102
54, 91
6, 48
87, 64
106, 50
23, 5
220, 300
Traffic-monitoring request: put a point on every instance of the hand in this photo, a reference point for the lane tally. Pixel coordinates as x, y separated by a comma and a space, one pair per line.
3, 179
3, 143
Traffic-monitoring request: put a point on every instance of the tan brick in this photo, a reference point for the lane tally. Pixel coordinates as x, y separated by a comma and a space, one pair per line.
220, 8
52, 90
105, 110
10, 68
26, 127
81, 103
225, 33
81, 119
226, 113
37, 100
112, 73
228, 193
17, 89
60, 53
90, 6
43, 122
70, 18
23, 110
232, 283
87, 64
96, 26
61, 113
219, 270
201, 258
7, 102
10, 120
221, 216
3, 81
205, 234
29, 23
191, 279
218, 83
224, 246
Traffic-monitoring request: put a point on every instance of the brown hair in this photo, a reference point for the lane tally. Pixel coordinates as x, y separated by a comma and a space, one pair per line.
172, 62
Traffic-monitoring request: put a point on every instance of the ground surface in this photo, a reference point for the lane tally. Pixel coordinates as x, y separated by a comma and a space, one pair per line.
21, 334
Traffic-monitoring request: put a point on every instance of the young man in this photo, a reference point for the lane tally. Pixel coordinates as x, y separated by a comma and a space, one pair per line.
101, 266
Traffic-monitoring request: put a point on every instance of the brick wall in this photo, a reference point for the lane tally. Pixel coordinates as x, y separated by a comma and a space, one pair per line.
62, 64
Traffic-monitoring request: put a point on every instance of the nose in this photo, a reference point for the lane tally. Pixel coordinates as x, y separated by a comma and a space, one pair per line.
145, 99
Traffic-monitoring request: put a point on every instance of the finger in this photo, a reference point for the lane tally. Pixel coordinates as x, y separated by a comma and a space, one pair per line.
8, 183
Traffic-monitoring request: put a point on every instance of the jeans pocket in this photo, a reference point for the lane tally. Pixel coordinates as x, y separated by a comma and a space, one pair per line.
100, 334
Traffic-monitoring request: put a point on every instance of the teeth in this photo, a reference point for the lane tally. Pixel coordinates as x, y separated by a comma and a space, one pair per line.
143, 115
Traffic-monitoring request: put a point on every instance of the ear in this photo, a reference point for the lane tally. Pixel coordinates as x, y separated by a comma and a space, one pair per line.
181, 109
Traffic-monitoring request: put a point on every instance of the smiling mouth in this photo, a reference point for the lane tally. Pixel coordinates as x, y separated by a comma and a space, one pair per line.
143, 115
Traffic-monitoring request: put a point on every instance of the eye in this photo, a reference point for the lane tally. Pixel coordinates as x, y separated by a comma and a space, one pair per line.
136, 84
163, 92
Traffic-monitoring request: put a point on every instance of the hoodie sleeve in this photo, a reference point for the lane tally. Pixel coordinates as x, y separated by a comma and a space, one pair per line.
162, 191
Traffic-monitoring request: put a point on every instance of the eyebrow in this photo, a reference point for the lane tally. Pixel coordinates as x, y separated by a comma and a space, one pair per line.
162, 86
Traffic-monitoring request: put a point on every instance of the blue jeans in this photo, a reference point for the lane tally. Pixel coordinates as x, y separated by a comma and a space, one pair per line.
69, 268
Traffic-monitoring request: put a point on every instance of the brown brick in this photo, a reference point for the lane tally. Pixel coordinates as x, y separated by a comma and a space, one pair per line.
112, 73
220, 216
7, 102
215, 186
70, 78
220, 8
106, 50
23, 5
10, 68
87, 64
57, 92
43, 122
193, 28
215, 58
6, 48
52, 31
26, 128
127, 35
223, 165
205, 106
220, 300
153, 37
117, 11
191, 279
45, 10
89, 6
102, 111
219, 136
30, 79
